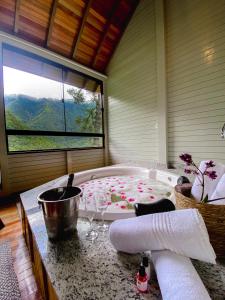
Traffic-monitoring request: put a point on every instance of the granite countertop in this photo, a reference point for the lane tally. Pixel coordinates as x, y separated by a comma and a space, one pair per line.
80, 269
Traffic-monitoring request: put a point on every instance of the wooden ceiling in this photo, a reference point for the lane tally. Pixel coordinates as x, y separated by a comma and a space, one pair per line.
86, 31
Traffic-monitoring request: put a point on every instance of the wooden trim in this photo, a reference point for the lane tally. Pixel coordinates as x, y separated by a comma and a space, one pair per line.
78, 37
105, 32
17, 13
51, 22
3, 146
69, 162
161, 81
46, 289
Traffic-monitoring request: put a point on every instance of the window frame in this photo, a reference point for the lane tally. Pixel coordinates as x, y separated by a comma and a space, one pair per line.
20, 132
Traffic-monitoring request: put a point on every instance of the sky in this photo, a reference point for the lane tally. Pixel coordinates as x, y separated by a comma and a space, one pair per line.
19, 82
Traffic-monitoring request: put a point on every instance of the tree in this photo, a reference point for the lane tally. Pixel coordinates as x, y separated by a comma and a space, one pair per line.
91, 121
77, 95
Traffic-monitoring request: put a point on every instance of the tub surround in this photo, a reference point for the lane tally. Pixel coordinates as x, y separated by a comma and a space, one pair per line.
29, 198
76, 268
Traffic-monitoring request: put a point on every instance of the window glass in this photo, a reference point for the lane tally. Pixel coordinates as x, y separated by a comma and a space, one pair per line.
32, 102
17, 143
83, 110
43, 98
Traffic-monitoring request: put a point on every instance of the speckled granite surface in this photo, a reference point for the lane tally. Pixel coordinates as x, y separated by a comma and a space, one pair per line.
80, 269
83, 270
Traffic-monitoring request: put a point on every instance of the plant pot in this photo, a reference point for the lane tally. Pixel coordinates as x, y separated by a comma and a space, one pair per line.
213, 215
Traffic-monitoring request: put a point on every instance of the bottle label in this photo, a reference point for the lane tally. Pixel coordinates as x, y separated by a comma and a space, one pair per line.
142, 285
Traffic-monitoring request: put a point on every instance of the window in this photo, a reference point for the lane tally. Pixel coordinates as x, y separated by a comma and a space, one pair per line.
48, 106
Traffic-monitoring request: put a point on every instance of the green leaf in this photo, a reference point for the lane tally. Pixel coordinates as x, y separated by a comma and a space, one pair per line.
115, 198
206, 199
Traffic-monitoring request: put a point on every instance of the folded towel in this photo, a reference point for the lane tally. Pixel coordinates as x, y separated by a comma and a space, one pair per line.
210, 184
181, 231
177, 277
219, 192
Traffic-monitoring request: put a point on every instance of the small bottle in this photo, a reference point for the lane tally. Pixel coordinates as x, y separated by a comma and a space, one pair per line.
146, 264
142, 280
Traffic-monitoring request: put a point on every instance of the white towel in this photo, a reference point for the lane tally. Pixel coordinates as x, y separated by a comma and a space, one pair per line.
210, 184
219, 192
177, 277
181, 231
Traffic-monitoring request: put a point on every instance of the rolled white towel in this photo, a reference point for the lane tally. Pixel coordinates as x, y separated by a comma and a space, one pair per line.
210, 184
219, 192
177, 277
181, 231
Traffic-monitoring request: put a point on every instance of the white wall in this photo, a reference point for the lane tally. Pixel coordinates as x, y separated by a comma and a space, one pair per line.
132, 105
195, 79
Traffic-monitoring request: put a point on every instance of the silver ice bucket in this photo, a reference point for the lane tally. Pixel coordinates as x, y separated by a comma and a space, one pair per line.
60, 215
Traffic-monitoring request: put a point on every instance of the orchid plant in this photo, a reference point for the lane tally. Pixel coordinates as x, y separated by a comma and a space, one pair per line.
192, 168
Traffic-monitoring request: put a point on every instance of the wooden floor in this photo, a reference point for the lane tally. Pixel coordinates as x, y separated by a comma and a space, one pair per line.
22, 264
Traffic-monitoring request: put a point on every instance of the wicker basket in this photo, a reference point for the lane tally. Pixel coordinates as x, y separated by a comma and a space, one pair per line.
214, 217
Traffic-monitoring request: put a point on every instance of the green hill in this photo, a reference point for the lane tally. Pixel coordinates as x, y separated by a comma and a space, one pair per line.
44, 113
28, 113
13, 122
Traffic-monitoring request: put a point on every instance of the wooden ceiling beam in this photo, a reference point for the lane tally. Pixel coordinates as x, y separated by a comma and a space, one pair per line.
128, 18
17, 14
80, 31
51, 22
105, 32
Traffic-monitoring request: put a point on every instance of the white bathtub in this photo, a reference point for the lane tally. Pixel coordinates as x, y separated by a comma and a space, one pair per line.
81, 177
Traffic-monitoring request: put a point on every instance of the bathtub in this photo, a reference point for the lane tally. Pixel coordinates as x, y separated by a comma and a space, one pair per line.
160, 178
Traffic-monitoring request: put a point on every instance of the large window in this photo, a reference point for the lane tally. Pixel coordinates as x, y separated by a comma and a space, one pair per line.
48, 106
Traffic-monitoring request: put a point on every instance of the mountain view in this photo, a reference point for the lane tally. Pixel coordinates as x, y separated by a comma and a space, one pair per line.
29, 113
